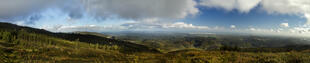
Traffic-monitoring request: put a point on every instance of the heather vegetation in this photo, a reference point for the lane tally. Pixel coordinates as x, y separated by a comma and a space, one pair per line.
22, 44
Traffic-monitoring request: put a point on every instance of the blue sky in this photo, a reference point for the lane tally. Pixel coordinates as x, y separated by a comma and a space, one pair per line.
255, 18
290, 17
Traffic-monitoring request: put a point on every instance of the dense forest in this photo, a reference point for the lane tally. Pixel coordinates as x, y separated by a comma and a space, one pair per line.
30, 45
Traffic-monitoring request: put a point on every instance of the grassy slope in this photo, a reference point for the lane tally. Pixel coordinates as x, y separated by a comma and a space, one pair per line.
54, 49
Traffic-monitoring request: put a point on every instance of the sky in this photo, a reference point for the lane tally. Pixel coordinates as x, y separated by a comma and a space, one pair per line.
275, 17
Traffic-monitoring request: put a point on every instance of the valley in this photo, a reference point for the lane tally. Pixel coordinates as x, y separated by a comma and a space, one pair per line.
25, 44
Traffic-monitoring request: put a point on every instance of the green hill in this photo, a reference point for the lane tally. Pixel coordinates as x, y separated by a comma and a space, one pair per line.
27, 44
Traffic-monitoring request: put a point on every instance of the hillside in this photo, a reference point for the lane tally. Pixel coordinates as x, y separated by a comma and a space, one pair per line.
77, 37
30, 45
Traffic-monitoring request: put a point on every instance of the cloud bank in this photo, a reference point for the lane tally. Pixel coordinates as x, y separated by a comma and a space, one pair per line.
127, 9
144, 14
49, 12
141, 9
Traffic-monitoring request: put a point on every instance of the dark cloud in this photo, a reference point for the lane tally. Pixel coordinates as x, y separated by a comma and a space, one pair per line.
127, 9
140, 9
13, 8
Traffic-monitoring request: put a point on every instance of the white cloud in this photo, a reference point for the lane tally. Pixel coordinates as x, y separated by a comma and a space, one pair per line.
182, 25
284, 25
92, 28
300, 29
279, 30
263, 30
252, 29
233, 26
129, 26
288, 7
159, 25
241, 5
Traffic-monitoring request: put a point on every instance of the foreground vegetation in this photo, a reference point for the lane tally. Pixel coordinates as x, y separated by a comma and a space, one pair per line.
20, 44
